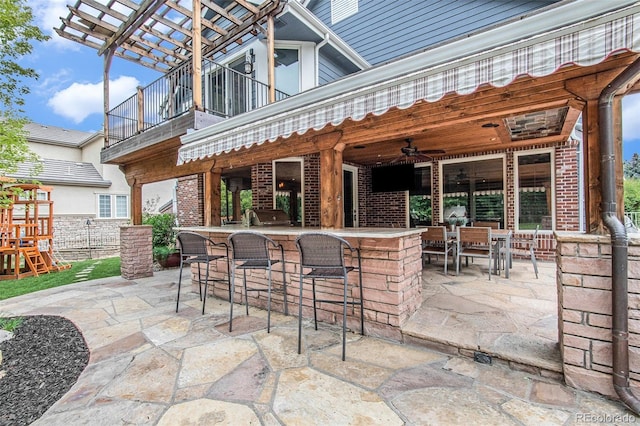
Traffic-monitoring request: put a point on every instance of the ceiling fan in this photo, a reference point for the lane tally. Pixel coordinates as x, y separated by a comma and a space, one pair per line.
413, 154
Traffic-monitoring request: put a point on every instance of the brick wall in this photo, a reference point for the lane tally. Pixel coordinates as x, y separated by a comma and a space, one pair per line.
389, 209
136, 257
262, 186
584, 311
312, 190
190, 200
381, 209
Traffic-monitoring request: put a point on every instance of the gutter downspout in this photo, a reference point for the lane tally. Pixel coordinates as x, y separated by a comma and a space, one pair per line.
619, 242
319, 46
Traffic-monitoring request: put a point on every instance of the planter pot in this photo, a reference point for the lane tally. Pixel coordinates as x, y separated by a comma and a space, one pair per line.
171, 261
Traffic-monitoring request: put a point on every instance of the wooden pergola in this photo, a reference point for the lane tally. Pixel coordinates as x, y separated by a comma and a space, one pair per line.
163, 34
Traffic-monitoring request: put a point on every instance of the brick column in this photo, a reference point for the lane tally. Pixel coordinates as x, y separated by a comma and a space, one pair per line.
584, 311
136, 257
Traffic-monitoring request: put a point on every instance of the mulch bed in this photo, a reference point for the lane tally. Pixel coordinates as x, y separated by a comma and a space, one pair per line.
42, 361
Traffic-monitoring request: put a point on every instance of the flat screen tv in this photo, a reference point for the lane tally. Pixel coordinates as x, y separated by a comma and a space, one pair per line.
397, 177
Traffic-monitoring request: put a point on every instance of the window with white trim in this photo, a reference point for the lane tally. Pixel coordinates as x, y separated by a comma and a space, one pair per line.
342, 9
113, 206
473, 190
534, 189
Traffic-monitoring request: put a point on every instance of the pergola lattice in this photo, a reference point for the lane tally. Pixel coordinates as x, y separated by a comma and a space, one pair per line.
159, 34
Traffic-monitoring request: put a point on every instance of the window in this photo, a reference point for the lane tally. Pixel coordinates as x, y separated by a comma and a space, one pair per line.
342, 9
287, 184
287, 70
474, 190
113, 206
420, 197
534, 193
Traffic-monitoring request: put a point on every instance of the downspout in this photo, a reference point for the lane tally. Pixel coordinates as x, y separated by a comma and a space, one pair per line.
619, 242
319, 46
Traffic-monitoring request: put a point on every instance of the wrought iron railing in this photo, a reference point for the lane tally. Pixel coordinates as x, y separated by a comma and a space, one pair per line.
225, 93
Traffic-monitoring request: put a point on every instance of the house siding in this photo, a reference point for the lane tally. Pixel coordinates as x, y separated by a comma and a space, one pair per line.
383, 30
328, 70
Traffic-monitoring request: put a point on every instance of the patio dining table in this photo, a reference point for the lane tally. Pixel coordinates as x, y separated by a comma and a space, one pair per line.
502, 238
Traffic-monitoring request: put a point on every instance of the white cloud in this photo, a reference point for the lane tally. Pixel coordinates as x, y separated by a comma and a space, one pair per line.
47, 14
81, 100
630, 115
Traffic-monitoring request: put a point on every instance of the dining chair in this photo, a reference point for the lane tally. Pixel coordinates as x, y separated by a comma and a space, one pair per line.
195, 248
473, 241
522, 246
436, 242
250, 250
322, 256
488, 223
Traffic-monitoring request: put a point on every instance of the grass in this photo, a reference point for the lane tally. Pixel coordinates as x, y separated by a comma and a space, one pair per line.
94, 269
10, 324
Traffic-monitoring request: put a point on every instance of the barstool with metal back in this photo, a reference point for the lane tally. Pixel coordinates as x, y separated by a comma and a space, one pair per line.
250, 250
194, 248
322, 255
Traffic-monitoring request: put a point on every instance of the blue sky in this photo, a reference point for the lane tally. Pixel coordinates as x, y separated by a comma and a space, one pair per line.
68, 93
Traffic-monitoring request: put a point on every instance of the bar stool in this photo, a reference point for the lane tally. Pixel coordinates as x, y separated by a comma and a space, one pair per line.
322, 255
194, 248
250, 250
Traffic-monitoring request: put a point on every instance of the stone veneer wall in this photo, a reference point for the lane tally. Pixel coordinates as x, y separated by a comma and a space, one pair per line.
584, 311
136, 257
71, 237
392, 283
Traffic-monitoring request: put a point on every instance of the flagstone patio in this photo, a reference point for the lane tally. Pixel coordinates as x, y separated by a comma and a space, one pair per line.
150, 365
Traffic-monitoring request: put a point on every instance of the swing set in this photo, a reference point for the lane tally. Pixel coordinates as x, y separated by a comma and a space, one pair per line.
26, 230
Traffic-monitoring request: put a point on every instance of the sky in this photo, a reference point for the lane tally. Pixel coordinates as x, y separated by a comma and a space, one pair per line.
69, 94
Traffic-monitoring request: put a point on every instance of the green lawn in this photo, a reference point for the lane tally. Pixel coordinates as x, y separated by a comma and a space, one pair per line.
96, 268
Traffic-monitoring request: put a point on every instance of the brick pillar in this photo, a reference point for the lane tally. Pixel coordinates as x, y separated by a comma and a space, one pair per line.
584, 311
136, 257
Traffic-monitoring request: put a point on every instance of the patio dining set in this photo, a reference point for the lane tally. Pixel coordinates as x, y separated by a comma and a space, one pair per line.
496, 245
322, 256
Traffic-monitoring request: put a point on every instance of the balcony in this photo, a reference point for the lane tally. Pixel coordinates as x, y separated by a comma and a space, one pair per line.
141, 120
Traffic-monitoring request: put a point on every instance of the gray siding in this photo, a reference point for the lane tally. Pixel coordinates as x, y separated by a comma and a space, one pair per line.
329, 71
383, 30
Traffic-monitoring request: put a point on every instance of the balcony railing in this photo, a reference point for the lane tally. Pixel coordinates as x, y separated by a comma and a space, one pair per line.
225, 93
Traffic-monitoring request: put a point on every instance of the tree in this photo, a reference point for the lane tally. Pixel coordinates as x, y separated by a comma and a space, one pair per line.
632, 195
16, 35
632, 167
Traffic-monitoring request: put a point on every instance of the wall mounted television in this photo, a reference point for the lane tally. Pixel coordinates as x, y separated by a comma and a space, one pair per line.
396, 177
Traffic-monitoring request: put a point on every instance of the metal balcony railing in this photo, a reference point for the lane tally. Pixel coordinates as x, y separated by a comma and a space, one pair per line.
225, 93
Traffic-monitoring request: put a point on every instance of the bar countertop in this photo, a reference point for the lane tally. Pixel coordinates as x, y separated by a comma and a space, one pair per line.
294, 230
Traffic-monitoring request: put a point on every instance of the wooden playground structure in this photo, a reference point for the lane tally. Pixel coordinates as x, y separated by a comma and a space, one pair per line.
26, 231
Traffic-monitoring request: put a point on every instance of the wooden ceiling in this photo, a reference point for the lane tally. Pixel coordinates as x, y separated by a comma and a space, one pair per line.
157, 33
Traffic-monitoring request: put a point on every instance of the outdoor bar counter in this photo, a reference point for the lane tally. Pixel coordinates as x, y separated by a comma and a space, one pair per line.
391, 275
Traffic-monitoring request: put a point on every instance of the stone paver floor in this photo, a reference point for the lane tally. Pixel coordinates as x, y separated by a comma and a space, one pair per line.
152, 366
513, 319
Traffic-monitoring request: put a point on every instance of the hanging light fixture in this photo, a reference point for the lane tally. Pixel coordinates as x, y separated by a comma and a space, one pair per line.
248, 62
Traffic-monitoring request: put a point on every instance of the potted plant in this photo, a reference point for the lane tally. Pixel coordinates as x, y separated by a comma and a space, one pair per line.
163, 240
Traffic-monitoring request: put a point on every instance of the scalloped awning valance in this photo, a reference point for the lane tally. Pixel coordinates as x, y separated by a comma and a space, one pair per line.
369, 92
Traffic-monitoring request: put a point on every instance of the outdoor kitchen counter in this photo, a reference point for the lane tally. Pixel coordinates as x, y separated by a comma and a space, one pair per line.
391, 274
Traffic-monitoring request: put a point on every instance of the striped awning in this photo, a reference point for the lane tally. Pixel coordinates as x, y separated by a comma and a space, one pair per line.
434, 73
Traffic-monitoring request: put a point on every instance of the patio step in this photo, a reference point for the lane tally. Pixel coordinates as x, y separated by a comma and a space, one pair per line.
539, 358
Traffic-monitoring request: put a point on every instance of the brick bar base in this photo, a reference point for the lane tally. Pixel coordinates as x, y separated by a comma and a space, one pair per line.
136, 256
584, 311
391, 278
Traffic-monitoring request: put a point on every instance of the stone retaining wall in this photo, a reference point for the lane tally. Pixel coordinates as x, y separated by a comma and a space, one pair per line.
584, 311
